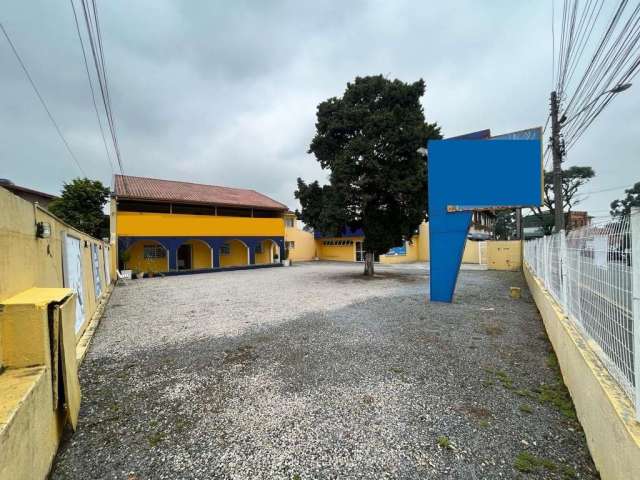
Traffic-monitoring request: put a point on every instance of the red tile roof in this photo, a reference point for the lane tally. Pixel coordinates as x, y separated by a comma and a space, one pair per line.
143, 188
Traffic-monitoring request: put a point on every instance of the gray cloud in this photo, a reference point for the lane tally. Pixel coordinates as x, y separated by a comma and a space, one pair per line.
226, 92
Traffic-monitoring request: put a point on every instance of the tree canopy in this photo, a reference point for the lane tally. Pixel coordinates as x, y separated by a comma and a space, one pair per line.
572, 179
623, 206
80, 205
368, 140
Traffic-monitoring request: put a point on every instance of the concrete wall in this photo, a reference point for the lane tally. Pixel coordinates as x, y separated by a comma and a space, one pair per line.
138, 263
305, 245
238, 255
330, 249
504, 255
31, 422
606, 414
27, 261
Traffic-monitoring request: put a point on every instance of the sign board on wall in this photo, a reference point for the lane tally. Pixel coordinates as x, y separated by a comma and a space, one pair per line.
72, 263
95, 267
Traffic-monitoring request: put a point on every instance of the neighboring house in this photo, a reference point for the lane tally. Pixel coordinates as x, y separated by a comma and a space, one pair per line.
574, 220
167, 226
535, 226
28, 194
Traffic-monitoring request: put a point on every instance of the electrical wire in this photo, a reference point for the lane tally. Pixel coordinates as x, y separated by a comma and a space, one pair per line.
92, 23
42, 101
93, 95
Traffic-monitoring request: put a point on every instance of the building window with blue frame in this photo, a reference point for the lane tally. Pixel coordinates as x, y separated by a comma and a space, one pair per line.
225, 249
259, 248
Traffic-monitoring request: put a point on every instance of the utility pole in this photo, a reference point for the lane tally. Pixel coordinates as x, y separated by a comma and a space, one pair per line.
556, 151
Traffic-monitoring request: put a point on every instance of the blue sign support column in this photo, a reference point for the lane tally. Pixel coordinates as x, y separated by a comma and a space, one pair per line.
468, 175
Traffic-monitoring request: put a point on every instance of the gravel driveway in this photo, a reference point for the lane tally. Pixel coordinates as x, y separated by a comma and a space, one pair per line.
315, 371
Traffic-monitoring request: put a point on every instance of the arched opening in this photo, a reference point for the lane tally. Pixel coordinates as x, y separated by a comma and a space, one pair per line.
267, 252
146, 256
194, 254
234, 253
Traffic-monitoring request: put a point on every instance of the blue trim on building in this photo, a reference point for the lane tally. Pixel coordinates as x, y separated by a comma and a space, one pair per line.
345, 232
171, 244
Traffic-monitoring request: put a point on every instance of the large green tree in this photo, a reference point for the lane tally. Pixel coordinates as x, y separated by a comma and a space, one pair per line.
368, 140
623, 206
80, 205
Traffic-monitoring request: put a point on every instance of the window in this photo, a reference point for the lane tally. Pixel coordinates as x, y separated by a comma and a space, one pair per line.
152, 252
130, 206
290, 245
234, 212
193, 209
289, 222
225, 249
267, 213
259, 248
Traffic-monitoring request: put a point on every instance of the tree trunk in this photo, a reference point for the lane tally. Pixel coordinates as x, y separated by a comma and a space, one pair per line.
368, 264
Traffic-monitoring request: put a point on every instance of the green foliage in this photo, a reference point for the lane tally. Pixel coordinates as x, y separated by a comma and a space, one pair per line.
526, 408
80, 205
623, 206
368, 141
505, 225
527, 462
572, 179
444, 442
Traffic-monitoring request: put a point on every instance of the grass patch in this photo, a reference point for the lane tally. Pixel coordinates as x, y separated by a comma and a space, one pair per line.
155, 438
296, 476
526, 408
558, 396
483, 423
444, 442
528, 463
568, 472
505, 380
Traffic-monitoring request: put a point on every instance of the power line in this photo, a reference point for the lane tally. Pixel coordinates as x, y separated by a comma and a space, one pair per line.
93, 95
90, 13
44, 104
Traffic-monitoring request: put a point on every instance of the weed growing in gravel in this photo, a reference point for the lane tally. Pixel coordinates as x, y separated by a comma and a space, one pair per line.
483, 423
526, 408
444, 442
155, 438
527, 463
505, 380
296, 476
523, 392
558, 396
568, 472
493, 329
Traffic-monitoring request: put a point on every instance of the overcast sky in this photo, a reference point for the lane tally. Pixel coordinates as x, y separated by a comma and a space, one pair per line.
226, 92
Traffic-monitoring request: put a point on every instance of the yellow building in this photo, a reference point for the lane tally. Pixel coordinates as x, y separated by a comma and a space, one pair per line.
169, 226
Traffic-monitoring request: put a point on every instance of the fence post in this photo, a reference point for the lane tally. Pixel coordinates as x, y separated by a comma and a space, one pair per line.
564, 284
634, 219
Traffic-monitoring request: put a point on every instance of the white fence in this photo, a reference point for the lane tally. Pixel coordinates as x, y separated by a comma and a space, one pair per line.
589, 272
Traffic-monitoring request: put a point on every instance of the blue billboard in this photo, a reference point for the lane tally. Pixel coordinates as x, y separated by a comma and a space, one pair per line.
478, 174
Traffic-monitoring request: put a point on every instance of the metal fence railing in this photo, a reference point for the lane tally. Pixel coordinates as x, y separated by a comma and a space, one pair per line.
589, 272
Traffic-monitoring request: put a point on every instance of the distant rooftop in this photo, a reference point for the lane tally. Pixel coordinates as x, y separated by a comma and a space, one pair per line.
17, 189
153, 189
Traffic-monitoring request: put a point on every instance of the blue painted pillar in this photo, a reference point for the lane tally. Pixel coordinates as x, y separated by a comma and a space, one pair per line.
215, 244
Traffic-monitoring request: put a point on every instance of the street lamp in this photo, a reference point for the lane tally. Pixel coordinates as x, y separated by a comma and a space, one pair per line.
617, 89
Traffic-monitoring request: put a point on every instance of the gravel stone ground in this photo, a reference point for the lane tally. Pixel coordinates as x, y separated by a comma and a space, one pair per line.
316, 372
